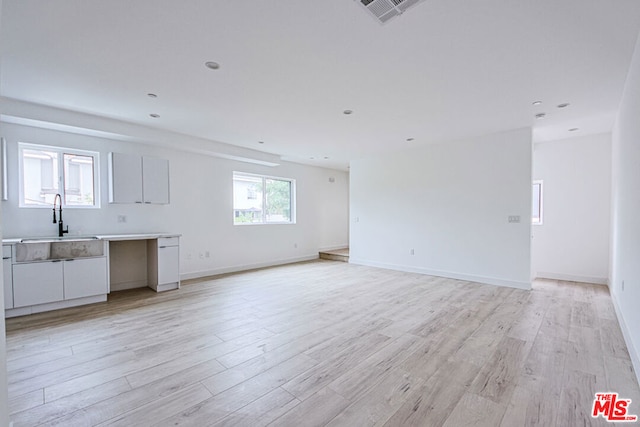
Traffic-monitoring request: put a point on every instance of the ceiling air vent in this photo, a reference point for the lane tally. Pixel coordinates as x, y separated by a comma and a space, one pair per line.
384, 10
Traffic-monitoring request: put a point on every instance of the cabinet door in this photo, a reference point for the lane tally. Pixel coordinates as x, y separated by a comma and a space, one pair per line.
168, 264
155, 180
37, 283
8, 283
85, 277
125, 178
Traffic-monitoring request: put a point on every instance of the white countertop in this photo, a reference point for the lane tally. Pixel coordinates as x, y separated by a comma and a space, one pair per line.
139, 236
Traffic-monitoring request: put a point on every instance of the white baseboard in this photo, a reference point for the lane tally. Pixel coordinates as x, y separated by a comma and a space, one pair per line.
571, 278
449, 274
32, 309
245, 267
633, 353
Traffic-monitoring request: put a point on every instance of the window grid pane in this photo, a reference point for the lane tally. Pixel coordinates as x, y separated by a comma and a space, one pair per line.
78, 180
40, 177
278, 201
262, 200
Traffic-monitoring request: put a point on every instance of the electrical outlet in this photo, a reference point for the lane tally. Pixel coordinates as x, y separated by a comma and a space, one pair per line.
122, 218
207, 254
295, 245
201, 255
413, 252
514, 218
623, 285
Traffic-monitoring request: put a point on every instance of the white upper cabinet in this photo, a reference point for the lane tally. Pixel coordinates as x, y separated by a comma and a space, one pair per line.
125, 178
138, 179
155, 180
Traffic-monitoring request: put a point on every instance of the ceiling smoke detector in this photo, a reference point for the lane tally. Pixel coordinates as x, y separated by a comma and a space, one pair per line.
384, 10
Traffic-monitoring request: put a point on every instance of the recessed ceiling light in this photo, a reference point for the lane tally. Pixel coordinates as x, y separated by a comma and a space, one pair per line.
536, 103
155, 116
574, 129
347, 112
325, 157
311, 158
260, 142
563, 105
212, 65
410, 139
152, 95
541, 116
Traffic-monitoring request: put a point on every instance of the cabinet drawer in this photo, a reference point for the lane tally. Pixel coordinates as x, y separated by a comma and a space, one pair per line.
168, 241
6, 251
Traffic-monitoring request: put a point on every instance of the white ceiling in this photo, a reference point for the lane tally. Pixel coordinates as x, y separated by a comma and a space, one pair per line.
444, 70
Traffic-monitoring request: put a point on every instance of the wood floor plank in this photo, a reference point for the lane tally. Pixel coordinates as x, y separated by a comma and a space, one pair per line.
261, 411
576, 399
473, 410
316, 411
156, 411
131, 400
316, 378
380, 402
233, 399
322, 342
26, 401
355, 382
496, 380
613, 344
50, 411
432, 403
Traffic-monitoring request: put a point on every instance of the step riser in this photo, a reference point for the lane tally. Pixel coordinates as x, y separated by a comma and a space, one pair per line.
332, 257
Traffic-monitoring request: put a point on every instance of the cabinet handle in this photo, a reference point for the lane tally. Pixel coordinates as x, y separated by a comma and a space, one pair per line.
162, 247
70, 259
148, 203
57, 260
138, 201
6, 257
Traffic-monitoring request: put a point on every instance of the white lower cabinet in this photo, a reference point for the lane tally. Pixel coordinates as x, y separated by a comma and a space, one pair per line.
85, 277
168, 264
8, 276
164, 263
52, 281
37, 283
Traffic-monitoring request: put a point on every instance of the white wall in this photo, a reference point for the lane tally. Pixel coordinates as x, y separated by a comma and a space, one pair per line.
200, 208
4, 398
625, 240
450, 202
573, 241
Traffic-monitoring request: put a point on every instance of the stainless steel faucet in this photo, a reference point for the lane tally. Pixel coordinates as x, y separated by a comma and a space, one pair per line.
61, 231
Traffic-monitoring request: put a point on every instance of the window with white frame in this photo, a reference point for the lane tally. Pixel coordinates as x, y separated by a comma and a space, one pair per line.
46, 171
536, 215
259, 199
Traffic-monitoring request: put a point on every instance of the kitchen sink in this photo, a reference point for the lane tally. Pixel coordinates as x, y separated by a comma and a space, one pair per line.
58, 239
46, 249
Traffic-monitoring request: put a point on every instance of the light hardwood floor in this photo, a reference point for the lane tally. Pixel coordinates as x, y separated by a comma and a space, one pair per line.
322, 343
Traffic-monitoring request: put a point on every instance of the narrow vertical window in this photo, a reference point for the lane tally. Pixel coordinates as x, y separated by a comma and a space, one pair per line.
78, 180
536, 216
